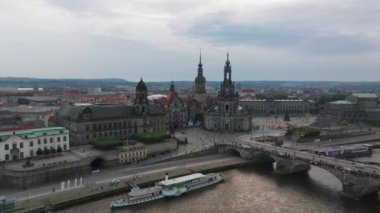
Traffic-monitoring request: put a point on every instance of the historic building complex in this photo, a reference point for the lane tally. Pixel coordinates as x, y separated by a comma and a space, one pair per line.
277, 107
227, 115
177, 112
88, 122
16, 145
358, 107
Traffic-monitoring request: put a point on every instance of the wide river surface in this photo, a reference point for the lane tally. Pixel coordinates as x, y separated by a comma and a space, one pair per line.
255, 189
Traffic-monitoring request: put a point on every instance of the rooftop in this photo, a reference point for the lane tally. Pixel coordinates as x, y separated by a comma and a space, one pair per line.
341, 102
34, 133
181, 179
364, 95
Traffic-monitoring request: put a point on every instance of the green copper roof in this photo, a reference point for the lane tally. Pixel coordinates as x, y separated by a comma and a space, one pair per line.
35, 133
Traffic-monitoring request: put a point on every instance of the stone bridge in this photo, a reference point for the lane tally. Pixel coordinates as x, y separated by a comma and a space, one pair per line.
357, 180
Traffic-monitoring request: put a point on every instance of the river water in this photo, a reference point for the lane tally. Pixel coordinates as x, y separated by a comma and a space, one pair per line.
255, 189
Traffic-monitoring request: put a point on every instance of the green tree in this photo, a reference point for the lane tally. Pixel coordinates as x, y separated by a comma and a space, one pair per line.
52, 150
46, 151
40, 152
287, 117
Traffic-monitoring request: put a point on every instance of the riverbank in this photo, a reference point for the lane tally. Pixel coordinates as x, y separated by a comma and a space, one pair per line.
66, 199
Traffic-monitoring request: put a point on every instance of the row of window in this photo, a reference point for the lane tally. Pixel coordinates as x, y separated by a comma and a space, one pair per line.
31, 144
278, 107
114, 125
31, 154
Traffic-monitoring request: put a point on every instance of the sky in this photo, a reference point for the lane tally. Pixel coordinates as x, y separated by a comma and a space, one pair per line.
160, 40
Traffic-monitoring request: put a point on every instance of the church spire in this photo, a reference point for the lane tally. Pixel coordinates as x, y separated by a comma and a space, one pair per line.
172, 87
228, 59
200, 58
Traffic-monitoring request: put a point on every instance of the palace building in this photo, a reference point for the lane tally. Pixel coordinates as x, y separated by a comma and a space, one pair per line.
227, 116
88, 122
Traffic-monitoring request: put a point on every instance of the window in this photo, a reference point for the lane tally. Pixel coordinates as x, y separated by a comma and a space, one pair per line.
94, 127
31, 153
45, 141
21, 155
14, 146
87, 128
39, 141
51, 140
6, 147
58, 139
7, 157
21, 145
31, 143
64, 138
64, 147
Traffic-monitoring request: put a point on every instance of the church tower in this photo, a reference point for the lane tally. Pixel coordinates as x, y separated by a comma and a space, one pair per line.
200, 80
141, 101
227, 98
200, 83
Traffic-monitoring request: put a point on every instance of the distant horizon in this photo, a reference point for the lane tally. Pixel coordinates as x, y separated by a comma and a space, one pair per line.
137, 80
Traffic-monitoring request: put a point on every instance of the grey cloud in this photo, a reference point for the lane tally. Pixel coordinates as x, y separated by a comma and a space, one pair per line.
220, 31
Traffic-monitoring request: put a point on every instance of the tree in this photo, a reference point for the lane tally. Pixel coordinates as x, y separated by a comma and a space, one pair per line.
52, 150
344, 122
59, 149
46, 151
287, 117
40, 152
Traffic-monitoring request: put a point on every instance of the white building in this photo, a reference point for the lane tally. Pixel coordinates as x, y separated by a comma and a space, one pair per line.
132, 152
15, 145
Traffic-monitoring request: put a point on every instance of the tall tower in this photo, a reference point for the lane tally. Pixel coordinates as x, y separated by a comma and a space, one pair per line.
227, 97
200, 80
141, 101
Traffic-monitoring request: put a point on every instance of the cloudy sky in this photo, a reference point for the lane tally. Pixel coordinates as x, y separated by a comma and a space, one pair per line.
335, 40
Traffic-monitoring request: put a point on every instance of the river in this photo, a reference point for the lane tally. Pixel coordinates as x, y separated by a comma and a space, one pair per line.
255, 189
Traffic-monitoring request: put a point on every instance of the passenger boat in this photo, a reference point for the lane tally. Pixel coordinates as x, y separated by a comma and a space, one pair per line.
168, 188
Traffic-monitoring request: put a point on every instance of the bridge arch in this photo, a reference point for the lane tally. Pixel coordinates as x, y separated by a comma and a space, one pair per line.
232, 151
97, 163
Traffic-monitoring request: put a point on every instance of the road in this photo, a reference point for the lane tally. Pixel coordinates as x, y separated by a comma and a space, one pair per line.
123, 173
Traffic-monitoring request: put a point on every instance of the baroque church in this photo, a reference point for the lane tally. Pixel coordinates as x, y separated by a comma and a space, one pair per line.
228, 115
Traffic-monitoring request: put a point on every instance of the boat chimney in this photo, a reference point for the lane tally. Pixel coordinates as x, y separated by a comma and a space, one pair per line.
167, 176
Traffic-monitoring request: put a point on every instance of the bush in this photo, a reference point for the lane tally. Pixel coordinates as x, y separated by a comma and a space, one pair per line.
287, 117
46, 151
106, 143
303, 131
52, 150
59, 149
40, 152
150, 136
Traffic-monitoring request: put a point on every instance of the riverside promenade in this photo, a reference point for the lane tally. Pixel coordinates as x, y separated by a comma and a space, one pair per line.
143, 175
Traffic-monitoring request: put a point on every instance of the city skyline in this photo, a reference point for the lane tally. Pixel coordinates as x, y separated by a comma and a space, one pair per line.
160, 40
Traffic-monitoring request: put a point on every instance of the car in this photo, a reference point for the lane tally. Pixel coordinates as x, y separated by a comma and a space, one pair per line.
115, 181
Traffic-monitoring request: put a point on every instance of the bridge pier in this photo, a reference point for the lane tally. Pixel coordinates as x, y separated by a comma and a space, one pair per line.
285, 166
355, 185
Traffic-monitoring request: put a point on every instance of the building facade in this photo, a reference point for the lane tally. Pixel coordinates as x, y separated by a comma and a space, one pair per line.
16, 145
132, 153
88, 122
177, 113
358, 107
277, 107
228, 115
